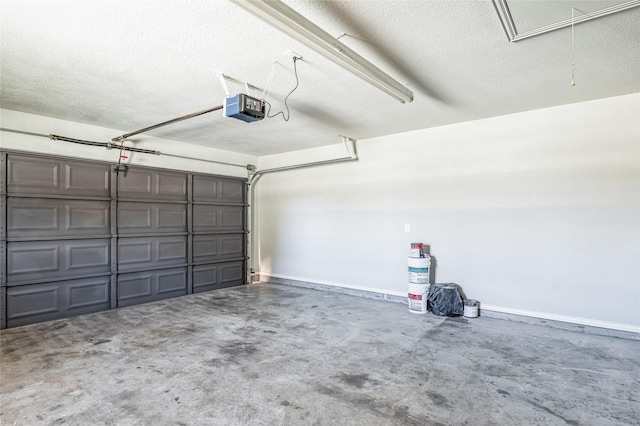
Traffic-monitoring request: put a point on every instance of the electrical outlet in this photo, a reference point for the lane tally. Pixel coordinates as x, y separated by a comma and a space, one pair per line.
407, 227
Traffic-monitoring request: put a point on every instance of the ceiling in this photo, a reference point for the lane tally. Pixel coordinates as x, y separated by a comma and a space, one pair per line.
130, 64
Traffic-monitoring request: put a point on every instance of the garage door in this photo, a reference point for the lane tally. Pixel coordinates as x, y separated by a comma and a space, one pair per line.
78, 238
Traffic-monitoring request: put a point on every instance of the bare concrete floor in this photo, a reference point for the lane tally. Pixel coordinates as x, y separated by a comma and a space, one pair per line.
278, 355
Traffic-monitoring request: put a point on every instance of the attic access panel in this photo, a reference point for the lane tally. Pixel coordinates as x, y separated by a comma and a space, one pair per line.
527, 18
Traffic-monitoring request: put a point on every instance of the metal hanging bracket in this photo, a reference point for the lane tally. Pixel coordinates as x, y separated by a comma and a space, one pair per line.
225, 78
223, 81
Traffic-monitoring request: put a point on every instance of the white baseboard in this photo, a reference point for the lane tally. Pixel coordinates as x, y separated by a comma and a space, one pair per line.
563, 318
334, 284
628, 328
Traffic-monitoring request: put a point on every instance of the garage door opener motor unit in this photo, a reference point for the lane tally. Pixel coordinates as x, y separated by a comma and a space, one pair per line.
244, 107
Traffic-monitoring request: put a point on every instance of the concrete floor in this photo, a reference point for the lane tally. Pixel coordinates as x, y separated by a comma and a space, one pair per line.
280, 355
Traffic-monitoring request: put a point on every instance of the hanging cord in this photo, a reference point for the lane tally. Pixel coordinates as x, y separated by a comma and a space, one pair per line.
286, 117
573, 47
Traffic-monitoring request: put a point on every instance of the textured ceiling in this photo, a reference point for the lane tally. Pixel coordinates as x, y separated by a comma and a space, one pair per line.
130, 64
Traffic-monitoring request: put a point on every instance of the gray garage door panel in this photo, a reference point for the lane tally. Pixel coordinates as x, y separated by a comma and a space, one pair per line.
140, 183
77, 237
45, 260
139, 218
208, 218
136, 254
214, 248
212, 189
143, 287
47, 217
33, 175
219, 275
44, 302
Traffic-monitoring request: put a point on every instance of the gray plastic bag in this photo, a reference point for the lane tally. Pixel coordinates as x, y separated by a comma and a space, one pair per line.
445, 300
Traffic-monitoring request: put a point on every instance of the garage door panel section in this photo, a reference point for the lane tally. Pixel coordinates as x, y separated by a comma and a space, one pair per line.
46, 218
46, 260
211, 189
213, 218
149, 286
86, 179
142, 218
62, 299
216, 276
136, 254
217, 247
34, 175
77, 236
140, 183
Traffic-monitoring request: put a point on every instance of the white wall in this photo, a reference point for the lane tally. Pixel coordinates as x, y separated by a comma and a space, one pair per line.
536, 213
44, 125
